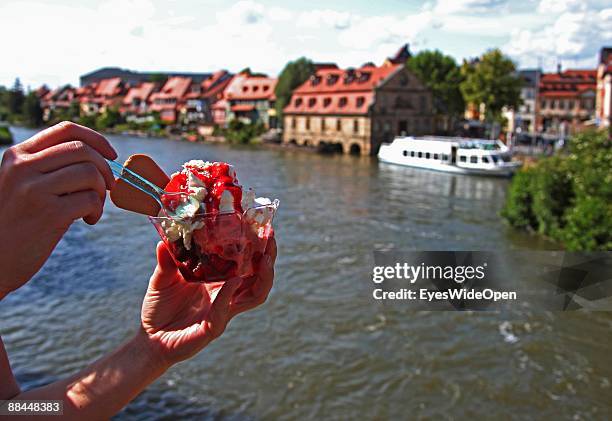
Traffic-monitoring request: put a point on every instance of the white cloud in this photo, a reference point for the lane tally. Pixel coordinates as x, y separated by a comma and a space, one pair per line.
59, 43
468, 6
574, 36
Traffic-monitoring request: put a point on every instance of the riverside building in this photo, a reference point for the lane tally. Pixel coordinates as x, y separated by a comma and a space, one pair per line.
355, 110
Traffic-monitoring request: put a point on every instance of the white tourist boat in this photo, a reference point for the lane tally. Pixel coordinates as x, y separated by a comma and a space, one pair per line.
450, 154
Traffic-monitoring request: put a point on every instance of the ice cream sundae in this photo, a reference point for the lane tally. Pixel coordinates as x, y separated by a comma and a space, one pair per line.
223, 230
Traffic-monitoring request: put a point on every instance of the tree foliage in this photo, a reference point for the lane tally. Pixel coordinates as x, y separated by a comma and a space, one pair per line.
32, 112
442, 75
567, 197
15, 98
491, 80
293, 75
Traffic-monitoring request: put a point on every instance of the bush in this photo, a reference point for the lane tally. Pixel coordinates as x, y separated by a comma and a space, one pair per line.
567, 197
243, 133
519, 206
589, 225
6, 138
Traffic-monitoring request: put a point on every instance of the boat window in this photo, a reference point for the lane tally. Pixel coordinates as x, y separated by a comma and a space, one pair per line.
436, 156
485, 159
473, 159
412, 154
420, 154
427, 155
506, 158
405, 153
494, 158
444, 157
462, 158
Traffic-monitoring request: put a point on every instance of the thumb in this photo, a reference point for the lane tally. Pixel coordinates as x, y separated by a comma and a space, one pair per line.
166, 271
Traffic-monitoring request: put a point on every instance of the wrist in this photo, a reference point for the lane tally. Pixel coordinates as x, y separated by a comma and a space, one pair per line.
147, 347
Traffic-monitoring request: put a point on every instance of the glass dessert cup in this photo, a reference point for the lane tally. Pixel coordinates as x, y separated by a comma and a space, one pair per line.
216, 247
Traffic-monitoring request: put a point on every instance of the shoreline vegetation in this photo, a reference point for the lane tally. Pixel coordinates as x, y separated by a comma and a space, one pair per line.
6, 137
567, 197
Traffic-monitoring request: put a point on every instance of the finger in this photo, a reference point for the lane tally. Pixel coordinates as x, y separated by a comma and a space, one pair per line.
68, 153
166, 272
83, 204
259, 290
74, 178
65, 132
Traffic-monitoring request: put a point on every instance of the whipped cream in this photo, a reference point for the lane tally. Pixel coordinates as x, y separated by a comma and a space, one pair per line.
258, 213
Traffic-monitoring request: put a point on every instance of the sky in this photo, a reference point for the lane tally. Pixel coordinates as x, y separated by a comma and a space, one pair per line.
54, 42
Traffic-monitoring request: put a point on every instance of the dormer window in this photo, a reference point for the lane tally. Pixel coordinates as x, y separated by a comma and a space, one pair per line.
255, 88
364, 77
332, 79
360, 101
312, 102
245, 88
326, 102
343, 101
315, 80
298, 102
265, 88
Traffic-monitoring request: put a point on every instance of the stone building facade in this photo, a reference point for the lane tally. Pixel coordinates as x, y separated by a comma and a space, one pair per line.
355, 110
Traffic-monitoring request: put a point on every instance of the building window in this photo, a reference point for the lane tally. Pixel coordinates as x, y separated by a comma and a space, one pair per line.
427, 155
331, 79
572, 104
343, 101
473, 159
326, 102
293, 122
307, 123
360, 101
422, 103
298, 102
553, 104
355, 126
312, 102
338, 125
543, 104
462, 158
322, 124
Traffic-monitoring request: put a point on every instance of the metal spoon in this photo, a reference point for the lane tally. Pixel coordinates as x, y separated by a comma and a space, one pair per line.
187, 204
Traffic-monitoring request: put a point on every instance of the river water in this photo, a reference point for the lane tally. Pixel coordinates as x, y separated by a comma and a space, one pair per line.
321, 347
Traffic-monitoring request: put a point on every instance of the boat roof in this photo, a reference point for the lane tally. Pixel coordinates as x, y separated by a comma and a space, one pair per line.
463, 142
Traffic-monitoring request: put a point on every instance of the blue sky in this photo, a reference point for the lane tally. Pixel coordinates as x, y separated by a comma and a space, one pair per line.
54, 42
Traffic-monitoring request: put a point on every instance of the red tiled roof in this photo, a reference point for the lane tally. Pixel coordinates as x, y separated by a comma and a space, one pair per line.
567, 84
242, 107
220, 105
142, 92
109, 87
332, 103
346, 80
175, 87
245, 87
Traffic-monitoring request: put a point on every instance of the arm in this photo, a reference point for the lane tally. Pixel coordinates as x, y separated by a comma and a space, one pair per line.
100, 390
170, 332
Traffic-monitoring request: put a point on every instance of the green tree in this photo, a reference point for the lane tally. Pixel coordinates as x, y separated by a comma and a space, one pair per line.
15, 98
491, 80
293, 75
32, 112
159, 78
442, 75
109, 118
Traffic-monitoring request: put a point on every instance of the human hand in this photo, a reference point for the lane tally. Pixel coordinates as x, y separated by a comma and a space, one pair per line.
47, 182
180, 318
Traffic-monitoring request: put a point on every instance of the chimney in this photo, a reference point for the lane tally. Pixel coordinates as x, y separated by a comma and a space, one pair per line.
559, 67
